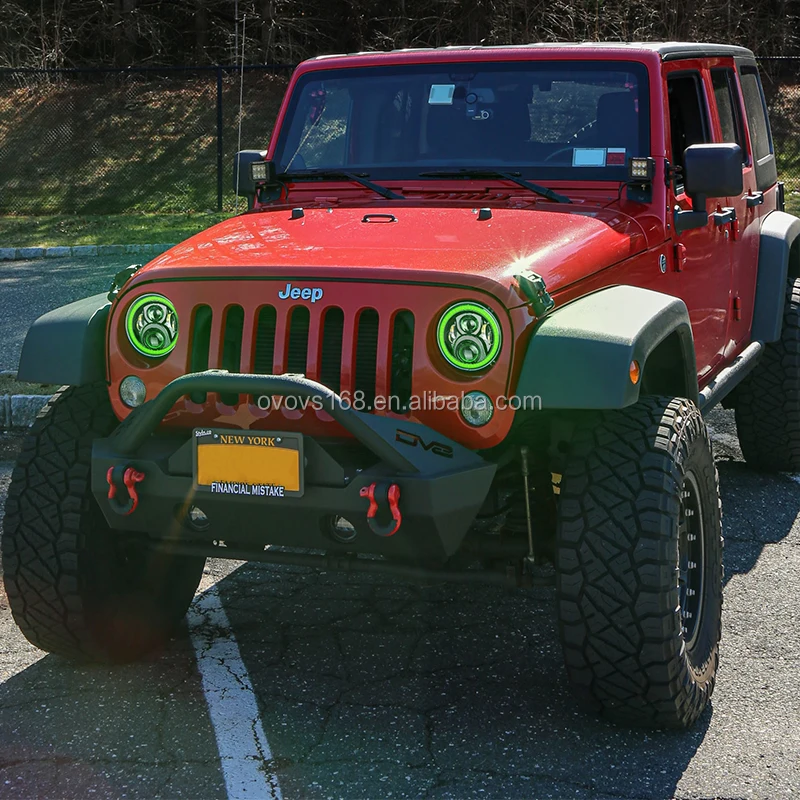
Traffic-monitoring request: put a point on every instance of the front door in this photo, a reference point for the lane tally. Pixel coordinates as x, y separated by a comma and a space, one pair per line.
702, 254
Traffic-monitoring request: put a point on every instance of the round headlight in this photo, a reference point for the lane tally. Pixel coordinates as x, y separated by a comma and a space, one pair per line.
469, 336
152, 325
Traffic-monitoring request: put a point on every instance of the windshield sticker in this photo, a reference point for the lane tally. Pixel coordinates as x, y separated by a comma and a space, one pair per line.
589, 157
615, 157
442, 94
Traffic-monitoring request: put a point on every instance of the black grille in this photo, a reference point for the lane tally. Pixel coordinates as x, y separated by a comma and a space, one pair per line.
265, 341
297, 359
299, 354
402, 361
366, 358
201, 343
330, 373
232, 347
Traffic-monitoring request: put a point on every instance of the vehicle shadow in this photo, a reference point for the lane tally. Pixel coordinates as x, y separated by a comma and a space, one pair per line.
369, 687
71, 731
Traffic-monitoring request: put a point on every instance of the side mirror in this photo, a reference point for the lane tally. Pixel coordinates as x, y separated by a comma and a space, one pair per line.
709, 170
250, 171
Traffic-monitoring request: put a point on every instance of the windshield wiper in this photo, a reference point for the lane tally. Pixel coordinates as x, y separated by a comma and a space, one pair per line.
514, 177
329, 174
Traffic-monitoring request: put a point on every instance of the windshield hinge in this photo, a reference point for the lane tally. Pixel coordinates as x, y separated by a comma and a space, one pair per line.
533, 287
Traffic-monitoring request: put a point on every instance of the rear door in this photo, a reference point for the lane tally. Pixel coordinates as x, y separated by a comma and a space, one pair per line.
742, 244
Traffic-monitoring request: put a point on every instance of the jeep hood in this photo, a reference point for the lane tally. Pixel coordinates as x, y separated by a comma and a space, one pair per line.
409, 244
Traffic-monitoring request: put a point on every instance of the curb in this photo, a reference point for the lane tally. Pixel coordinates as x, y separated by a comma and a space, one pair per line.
18, 411
26, 253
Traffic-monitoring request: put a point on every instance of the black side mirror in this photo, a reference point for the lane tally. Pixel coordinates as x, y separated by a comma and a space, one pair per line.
709, 170
250, 171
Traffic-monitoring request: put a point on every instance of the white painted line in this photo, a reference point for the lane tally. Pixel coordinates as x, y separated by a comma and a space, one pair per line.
243, 747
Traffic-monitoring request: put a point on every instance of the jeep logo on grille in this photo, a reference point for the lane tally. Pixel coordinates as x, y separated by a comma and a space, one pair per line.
312, 294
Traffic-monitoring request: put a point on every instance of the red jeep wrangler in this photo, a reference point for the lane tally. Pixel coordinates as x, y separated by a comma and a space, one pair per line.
465, 331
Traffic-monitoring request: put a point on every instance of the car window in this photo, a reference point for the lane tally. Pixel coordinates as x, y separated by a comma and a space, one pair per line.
728, 107
756, 113
688, 116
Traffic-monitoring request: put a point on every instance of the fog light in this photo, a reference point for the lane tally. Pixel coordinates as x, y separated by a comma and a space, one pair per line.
196, 518
132, 391
476, 408
343, 530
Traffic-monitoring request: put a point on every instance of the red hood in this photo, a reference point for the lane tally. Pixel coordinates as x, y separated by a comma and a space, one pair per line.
428, 244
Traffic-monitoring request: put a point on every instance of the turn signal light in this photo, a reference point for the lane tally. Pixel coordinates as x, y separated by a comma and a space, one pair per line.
635, 372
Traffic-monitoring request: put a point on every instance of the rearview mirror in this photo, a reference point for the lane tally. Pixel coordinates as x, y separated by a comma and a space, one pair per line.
709, 170
250, 171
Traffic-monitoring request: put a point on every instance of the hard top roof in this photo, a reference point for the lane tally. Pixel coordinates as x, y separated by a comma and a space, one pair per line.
668, 51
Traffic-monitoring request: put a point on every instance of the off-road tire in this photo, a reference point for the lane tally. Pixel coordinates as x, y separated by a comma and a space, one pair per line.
76, 587
622, 533
768, 399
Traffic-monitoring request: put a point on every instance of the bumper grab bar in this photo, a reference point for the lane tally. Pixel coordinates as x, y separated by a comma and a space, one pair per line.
144, 420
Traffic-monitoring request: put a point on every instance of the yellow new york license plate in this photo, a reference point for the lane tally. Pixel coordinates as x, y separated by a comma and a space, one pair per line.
248, 463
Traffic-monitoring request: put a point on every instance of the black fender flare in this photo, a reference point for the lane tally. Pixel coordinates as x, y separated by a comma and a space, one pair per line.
67, 345
779, 232
579, 356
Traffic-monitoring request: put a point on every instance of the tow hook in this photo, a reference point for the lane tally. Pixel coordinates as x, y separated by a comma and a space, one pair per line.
123, 479
388, 493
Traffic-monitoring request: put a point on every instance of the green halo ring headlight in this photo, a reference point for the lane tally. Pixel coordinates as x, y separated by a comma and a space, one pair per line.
469, 336
152, 325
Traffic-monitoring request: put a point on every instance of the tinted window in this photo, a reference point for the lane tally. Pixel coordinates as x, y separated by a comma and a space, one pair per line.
581, 120
756, 113
728, 107
688, 116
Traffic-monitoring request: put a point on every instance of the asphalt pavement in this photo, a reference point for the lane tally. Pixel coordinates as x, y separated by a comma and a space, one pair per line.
368, 687
28, 289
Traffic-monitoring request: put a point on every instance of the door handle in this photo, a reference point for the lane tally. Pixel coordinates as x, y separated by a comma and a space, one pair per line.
724, 217
754, 199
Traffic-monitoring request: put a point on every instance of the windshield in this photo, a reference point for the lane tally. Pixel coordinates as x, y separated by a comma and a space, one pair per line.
556, 119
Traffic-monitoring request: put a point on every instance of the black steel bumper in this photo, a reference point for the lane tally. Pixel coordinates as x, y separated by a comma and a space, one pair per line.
441, 488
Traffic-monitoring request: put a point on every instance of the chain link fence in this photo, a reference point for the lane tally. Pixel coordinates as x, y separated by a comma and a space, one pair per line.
116, 141
90, 141
781, 78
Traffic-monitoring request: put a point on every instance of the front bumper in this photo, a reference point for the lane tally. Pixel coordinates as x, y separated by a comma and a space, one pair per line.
441, 487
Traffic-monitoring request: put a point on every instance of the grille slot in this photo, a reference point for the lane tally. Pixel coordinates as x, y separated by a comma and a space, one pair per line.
366, 358
232, 348
330, 373
265, 340
201, 346
297, 356
402, 361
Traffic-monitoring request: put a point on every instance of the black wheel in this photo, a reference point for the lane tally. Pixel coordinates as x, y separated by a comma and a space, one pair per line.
768, 399
639, 563
76, 587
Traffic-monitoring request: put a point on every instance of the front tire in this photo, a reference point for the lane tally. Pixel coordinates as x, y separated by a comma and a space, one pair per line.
639, 563
76, 587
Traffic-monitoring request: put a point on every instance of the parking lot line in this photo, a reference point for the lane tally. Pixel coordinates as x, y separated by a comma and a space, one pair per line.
243, 747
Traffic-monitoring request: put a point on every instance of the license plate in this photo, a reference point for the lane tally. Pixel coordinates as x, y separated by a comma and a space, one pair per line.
248, 463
